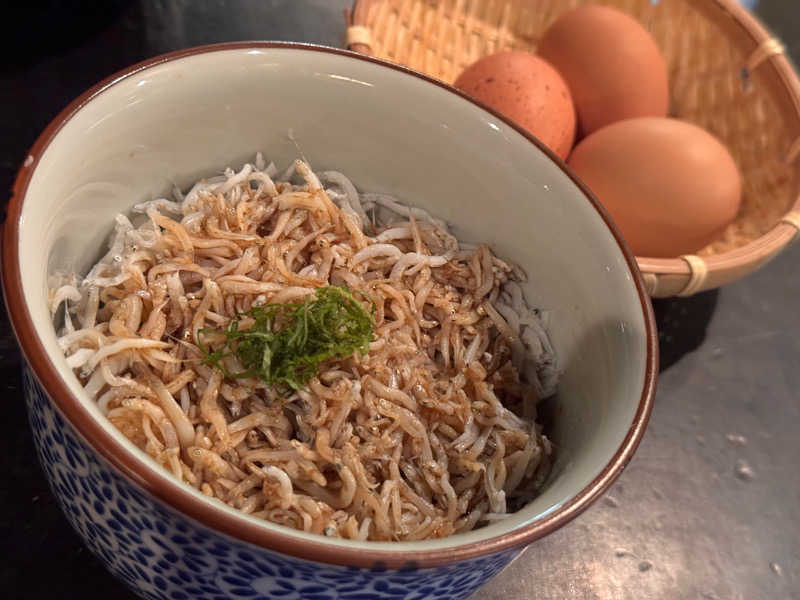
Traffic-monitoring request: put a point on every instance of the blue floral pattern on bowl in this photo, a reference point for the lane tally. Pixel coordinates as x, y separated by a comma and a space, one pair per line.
163, 555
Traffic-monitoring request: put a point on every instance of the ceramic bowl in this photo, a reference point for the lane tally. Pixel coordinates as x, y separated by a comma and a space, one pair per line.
179, 117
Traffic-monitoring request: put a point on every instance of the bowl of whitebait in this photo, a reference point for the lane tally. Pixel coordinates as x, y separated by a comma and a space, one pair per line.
301, 323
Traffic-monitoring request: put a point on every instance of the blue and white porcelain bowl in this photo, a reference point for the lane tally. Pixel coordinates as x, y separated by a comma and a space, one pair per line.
189, 114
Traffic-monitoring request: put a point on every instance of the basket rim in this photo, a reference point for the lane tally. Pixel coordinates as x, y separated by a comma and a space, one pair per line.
779, 235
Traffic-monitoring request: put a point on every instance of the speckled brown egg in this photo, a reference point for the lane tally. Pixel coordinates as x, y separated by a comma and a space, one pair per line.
527, 89
612, 65
670, 186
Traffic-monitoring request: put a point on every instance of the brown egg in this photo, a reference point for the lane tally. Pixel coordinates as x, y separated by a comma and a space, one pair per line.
529, 91
611, 64
670, 186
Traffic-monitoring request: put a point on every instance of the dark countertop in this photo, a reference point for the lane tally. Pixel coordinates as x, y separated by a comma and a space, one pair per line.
709, 508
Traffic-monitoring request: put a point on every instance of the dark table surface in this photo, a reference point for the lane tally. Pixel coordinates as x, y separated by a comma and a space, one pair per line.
709, 508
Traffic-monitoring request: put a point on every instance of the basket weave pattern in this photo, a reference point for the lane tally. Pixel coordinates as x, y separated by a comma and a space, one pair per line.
727, 75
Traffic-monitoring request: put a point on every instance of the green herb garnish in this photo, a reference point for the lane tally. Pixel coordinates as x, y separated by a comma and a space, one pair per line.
284, 344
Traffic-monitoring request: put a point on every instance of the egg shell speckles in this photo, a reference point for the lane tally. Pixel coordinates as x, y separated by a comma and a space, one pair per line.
530, 91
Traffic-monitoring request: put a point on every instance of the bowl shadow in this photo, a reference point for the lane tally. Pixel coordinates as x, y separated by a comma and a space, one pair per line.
682, 324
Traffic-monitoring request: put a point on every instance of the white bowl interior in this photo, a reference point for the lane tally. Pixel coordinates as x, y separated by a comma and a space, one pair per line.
391, 132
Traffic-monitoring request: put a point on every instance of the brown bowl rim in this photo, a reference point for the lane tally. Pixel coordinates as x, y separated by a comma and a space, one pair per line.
172, 493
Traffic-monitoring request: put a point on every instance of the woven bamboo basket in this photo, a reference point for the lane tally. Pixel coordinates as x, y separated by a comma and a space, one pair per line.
727, 74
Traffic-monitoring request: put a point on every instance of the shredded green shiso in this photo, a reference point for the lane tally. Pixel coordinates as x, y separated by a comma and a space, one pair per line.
286, 343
